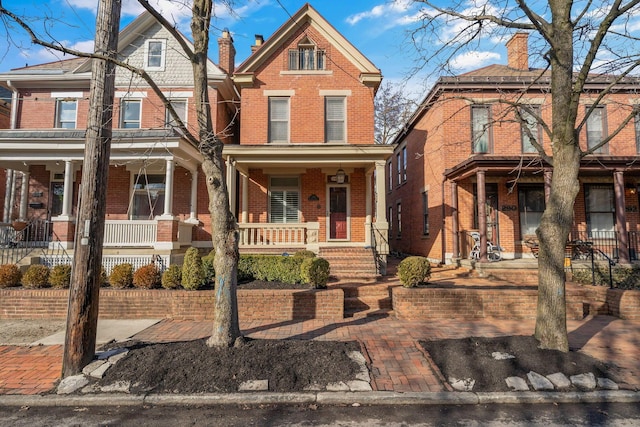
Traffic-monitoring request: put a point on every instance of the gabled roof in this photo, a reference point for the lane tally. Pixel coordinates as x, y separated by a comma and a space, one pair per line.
307, 14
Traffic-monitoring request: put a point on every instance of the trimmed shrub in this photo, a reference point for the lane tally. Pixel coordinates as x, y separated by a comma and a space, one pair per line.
121, 276
192, 272
208, 268
272, 268
172, 277
413, 271
245, 268
10, 275
60, 276
304, 254
315, 271
146, 277
36, 276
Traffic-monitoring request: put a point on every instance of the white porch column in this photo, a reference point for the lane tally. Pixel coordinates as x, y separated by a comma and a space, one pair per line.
231, 183
13, 194
245, 199
168, 189
24, 195
380, 192
7, 196
67, 197
193, 203
382, 226
368, 208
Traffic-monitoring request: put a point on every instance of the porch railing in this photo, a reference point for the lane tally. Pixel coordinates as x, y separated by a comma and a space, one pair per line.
634, 245
603, 242
270, 234
119, 233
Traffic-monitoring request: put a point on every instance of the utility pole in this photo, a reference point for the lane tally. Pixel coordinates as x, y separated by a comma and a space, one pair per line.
82, 315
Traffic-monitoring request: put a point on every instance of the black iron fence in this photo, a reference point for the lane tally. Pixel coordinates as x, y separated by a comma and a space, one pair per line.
603, 243
634, 245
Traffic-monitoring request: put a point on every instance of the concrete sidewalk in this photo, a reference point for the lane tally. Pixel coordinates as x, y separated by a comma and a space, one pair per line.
397, 362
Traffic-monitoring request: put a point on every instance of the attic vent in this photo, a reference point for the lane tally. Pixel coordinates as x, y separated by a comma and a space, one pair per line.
307, 56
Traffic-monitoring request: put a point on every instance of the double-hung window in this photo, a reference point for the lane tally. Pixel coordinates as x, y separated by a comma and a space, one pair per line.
335, 118
529, 128
66, 112
180, 107
480, 129
284, 199
596, 127
278, 119
155, 55
531, 203
390, 174
404, 164
130, 114
399, 168
600, 210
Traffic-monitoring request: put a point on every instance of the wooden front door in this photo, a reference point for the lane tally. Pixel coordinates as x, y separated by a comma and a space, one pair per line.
338, 213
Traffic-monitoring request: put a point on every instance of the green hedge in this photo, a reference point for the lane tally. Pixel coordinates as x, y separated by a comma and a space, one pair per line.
413, 271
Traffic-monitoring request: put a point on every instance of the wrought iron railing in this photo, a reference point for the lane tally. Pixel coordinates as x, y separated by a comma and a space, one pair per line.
634, 245
604, 243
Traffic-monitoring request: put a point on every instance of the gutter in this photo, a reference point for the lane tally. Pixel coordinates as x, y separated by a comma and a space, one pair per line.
14, 104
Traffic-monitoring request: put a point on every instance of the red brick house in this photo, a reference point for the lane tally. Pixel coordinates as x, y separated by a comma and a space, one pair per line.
465, 163
299, 151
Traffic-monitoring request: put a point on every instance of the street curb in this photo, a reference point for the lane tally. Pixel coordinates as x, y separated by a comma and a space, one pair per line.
323, 398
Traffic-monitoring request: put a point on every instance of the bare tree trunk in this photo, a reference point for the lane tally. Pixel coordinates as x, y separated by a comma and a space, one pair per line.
82, 316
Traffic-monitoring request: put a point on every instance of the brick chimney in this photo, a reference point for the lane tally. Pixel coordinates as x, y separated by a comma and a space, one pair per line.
518, 51
226, 52
259, 41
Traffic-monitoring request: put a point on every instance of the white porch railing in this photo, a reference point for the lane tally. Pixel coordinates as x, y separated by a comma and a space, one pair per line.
119, 233
285, 235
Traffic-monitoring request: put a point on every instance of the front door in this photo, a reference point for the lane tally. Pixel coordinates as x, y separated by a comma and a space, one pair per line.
338, 213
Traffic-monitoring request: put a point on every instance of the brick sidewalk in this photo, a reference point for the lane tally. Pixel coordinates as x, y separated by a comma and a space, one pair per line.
397, 361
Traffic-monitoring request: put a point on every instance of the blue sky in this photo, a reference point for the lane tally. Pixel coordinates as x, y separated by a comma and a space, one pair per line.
377, 28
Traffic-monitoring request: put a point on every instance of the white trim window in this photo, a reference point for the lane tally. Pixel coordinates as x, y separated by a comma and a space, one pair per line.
180, 106
130, 113
530, 129
66, 113
155, 54
335, 118
480, 128
278, 119
284, 199
597, 128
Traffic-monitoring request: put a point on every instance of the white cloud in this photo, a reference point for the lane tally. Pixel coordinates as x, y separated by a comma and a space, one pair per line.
472, 60
43, 55
394, 11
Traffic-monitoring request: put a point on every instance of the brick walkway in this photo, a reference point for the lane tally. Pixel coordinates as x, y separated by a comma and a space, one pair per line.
391, 346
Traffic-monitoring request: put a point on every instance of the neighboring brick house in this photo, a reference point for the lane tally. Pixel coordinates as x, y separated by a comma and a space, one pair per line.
464, 151
156, 197
301, 162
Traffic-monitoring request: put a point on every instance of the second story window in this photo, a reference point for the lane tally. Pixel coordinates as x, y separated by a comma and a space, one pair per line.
399, 168
180, 106
404, 164
529, 128
306, 57
596, 128
480, 129
66, 111
335, 118
390, 174
155, 55
130, 114
637, 123
278, 119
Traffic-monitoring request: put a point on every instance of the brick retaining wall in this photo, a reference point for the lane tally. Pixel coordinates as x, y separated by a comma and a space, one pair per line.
277, 305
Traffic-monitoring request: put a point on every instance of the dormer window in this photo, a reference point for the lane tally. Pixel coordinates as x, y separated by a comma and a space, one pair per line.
306, 57
155, 51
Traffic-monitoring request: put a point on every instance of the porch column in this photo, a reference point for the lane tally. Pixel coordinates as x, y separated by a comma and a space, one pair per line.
24, 195
12, 193
547, 184
231, 184
621, 217
7, 196
482, 215
368, 208
67, 196
454, 220
168, 189
381, 241
245, 199
193, 202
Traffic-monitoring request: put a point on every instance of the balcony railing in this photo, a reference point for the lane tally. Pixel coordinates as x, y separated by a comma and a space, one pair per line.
283, 235
124, 233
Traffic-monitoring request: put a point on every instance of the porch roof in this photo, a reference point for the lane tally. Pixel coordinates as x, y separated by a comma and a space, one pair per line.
511, 166
21, 147
301, 155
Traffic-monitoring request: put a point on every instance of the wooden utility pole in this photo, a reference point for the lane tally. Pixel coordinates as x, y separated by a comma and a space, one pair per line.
82, 315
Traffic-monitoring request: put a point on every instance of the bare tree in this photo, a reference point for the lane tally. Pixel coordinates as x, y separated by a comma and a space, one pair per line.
575, 36
392, 111
226, 327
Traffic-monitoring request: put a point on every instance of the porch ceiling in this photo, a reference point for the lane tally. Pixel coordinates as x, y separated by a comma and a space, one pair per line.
306, 155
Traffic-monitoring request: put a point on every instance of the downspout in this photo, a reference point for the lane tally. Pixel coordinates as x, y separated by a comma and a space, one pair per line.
10, 185
14, 104
444, 220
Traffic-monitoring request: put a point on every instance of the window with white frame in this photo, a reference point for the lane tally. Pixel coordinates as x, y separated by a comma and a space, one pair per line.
596, 127
66, 113
130, 113
335, 118
390, 173
284, 199
155, 55
404, 164
600, 209
148, 196
399, 168
279, 119
529, 128
180, 107
480, 132
306, 57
